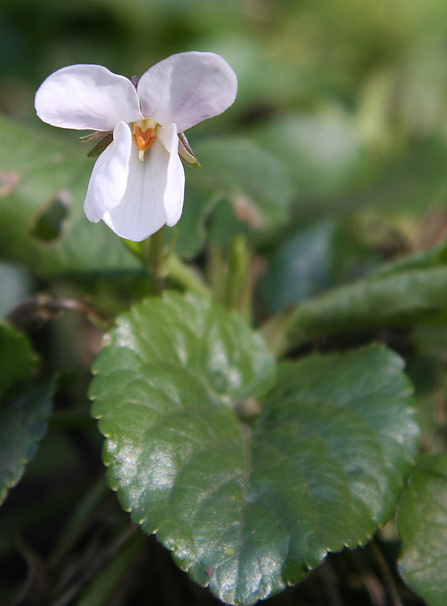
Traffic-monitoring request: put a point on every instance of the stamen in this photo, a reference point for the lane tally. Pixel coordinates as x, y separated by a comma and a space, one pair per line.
144, 135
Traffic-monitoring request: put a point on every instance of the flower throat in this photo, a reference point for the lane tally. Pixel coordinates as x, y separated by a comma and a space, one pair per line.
144, 134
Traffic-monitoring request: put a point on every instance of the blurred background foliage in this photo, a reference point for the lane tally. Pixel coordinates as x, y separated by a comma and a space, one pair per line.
350, 96
342, 109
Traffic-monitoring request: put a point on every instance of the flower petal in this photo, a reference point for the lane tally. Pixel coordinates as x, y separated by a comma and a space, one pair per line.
142, 212
85, 97
174, 193
187, 88
108, 182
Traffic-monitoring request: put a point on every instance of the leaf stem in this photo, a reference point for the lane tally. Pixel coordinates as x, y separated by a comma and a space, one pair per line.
239, 284
187, 276
230, 276
79, 521
275, 331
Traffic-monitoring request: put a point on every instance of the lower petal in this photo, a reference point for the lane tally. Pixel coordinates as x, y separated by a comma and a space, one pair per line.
141, 211
109, 178
174, 193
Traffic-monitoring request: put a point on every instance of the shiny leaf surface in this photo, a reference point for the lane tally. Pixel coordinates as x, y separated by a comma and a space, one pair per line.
422, 524
248, 508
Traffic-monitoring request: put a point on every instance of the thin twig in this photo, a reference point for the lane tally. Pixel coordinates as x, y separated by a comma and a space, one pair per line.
43, 308
386, 573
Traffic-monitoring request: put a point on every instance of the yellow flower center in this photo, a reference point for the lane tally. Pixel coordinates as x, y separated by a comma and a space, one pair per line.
145, 134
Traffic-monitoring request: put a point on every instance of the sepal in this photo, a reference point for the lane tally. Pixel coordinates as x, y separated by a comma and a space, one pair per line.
186, 153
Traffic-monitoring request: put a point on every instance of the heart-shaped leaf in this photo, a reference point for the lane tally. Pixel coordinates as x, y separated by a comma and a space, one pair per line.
248, 508
422, 524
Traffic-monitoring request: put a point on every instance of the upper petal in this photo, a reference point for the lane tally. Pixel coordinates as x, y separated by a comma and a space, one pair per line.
174, 192
85, 97
142, 212
109, 178
187, 88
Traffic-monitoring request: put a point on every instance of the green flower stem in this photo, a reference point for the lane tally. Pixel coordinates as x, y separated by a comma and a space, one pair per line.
161, 263
186, 276
153, 253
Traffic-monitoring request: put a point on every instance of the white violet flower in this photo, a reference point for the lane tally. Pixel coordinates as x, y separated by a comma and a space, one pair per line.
137, 184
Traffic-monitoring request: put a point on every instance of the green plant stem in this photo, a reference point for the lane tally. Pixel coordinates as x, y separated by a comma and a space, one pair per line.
186, 276
162, 263
217, 272
230, 276
153, 253
275, 332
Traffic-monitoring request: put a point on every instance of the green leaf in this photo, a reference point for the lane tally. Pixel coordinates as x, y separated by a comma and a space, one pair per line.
22, 420
425, 259
188, 331
248, 509
17, 357
410, 291
22, 425
43, 182
422, 525
400, 300
300, 268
